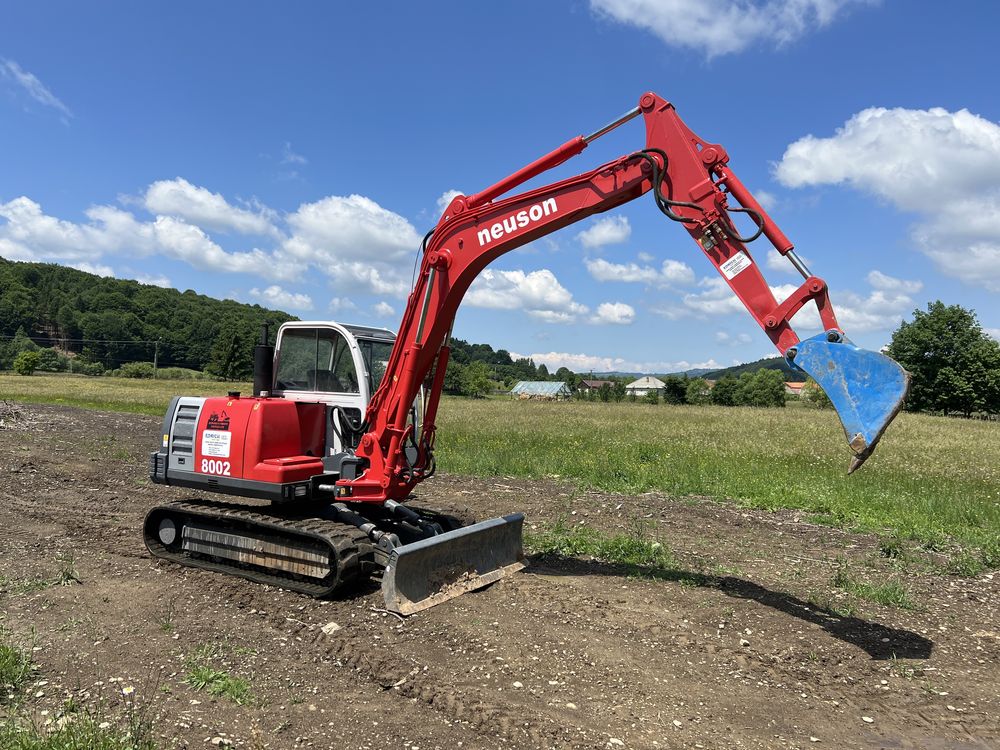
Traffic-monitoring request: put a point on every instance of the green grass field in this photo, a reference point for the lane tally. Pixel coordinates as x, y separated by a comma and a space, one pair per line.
110, 394
933, 480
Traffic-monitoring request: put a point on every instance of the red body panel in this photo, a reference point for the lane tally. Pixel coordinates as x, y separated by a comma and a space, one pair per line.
262, 439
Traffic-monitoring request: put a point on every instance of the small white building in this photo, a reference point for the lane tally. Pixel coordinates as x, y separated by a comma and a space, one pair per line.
644, 385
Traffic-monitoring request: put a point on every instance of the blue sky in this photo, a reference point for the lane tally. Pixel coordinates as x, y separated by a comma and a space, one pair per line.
292, 154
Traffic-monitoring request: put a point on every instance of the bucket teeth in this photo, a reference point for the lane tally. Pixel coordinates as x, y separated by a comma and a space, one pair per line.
866, 388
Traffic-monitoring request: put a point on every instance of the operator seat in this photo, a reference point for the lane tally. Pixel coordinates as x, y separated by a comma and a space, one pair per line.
325, 381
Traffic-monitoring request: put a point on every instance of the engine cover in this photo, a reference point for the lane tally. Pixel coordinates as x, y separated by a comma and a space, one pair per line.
256, 447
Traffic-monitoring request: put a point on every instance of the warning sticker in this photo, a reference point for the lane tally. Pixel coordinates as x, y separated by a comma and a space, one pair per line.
215, 443
739, 262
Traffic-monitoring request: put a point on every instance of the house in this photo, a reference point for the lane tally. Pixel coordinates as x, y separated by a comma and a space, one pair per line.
541, 389
644, 385
793, 389
593, 385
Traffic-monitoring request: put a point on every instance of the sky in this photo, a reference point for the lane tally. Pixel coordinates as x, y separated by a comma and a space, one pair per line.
294, 154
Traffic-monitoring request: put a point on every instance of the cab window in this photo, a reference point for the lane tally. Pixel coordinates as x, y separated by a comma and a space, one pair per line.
315, 360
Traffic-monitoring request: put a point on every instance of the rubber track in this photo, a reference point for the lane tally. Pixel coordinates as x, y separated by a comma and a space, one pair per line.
348, 543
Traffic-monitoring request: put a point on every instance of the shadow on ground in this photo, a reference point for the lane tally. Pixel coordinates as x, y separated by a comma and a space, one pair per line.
879, 641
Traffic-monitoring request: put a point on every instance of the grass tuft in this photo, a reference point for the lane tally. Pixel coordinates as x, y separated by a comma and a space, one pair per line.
890, 593
202, 675
15, 668
73, 731
634, 549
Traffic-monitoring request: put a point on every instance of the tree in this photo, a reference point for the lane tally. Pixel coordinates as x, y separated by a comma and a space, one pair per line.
814, 395
618, 390
10, 350
724, 392
51, 360
567, 376
604, 392
652, 396
955, 366
762, 389
476, 380
698, 392
453, 377
543, 372
229, 358
674, 389
25, 363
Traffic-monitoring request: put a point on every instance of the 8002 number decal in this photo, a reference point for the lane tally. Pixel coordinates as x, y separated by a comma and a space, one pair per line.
211, 466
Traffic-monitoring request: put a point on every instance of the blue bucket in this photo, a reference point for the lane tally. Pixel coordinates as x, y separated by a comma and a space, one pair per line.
867, 388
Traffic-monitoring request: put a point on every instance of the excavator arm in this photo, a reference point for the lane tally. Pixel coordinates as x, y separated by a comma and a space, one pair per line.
692, 185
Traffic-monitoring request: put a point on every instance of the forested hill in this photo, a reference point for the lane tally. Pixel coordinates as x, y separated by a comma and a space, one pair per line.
112, 321
768, 363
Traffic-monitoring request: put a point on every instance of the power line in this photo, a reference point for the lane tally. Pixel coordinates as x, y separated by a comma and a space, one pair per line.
88, 341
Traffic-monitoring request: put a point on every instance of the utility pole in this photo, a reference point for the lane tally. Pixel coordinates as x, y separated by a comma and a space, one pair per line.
156, 357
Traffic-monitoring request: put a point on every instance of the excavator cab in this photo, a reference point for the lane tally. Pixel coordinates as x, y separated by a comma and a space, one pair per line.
334, 364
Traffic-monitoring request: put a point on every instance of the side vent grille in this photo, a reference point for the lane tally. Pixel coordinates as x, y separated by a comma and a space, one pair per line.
185, 422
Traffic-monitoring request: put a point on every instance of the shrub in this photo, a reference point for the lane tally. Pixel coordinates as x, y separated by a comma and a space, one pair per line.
814, 395
88, 368
52, 361
26, 363
136, 370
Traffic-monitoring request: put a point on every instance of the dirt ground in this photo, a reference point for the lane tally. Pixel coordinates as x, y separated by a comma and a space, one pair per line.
741, 647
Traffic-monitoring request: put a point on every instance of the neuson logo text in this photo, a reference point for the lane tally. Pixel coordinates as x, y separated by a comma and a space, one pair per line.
517, 221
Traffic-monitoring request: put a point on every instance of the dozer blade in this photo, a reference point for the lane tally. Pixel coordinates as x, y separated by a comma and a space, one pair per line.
430, 571
867, 388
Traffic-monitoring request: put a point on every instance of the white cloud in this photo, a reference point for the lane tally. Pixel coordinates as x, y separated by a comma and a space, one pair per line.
993, 333
611, 230
276, 297
182, 241
355, 241
383, 309
671, 272
777, 262
197, 205
94, 268
159, 280
724, 26
538, 293
584, 363
615, 313
767, 200
943, 166
358, 244
879, 280
880, 310
37, 90
446, 198
341, 304
724, 337
290, 157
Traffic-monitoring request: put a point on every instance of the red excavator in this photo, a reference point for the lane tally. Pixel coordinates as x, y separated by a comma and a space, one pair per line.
340, 428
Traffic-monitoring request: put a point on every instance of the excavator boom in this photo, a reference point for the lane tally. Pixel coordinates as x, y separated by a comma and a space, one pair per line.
692, 185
